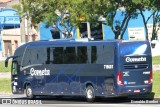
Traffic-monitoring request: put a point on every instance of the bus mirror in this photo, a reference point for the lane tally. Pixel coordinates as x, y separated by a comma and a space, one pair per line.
6, 63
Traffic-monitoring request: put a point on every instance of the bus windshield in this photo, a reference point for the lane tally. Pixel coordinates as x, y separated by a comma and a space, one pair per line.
14, 68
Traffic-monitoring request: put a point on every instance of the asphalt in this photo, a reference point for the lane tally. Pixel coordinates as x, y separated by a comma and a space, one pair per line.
80, 101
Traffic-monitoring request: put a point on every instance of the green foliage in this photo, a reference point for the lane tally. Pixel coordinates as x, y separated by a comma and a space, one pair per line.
71, 13
16, 6
156, 60
154, 7
3, 68
156, 84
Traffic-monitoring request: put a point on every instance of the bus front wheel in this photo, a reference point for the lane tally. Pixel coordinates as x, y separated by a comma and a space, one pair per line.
90, 95
29, 92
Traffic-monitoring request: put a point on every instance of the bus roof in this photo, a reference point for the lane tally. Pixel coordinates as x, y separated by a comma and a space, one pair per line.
67, 42
70, 42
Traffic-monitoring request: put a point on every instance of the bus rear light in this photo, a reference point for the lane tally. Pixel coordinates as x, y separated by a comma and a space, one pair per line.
119, 79
150, 78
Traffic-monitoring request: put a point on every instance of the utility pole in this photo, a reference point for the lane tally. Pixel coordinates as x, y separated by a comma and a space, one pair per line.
88, 30
22, 27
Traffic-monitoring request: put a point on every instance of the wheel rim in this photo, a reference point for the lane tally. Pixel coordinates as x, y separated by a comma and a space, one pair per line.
29, 92
89, 94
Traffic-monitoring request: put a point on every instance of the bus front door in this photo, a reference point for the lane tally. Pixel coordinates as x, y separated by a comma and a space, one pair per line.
14, 78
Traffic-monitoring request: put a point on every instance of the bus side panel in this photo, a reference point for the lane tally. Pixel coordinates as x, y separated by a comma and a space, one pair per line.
67, 79
106, 83
93, 75
63, 79
101, 73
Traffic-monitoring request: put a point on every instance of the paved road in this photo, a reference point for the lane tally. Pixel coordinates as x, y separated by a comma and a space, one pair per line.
84, 105
79, 101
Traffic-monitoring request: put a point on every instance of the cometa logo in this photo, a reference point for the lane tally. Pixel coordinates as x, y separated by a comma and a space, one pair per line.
34, 72
141, 59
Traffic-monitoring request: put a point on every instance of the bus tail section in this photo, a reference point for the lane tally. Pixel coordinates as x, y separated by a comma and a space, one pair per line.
134, 75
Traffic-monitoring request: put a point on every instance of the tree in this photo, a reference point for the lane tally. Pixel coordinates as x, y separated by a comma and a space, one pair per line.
153, 7
66, 13
109, 9
70, 13
156, 18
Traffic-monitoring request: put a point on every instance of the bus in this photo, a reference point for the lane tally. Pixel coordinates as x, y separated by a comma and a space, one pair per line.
89, 68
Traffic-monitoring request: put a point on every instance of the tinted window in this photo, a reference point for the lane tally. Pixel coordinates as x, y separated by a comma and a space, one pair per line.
97, 54
93, 54
70, 55
36, 56
58, 55
82, 54
108, 54
48, 56
100, 55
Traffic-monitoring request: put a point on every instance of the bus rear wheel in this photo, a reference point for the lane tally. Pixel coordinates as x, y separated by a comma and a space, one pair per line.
90, 95
29, 92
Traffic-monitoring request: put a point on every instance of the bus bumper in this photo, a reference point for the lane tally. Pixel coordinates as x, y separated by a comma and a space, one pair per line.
17, 90
133, 90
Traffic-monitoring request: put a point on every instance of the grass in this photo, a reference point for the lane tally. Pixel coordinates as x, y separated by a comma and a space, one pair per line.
156, 60
156, 83
5, 85
3, 68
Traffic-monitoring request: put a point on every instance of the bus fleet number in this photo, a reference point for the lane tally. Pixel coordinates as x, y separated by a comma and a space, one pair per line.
108, 66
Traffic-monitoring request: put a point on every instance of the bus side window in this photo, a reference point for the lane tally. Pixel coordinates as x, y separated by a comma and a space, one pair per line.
58, 55
70, 55
100, 55
93, 54
48, 56
108, 55
82, 54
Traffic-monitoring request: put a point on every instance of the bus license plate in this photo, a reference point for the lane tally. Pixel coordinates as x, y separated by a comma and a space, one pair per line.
136, 91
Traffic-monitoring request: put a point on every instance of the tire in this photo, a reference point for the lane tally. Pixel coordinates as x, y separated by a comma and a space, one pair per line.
90, 95
29, 92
